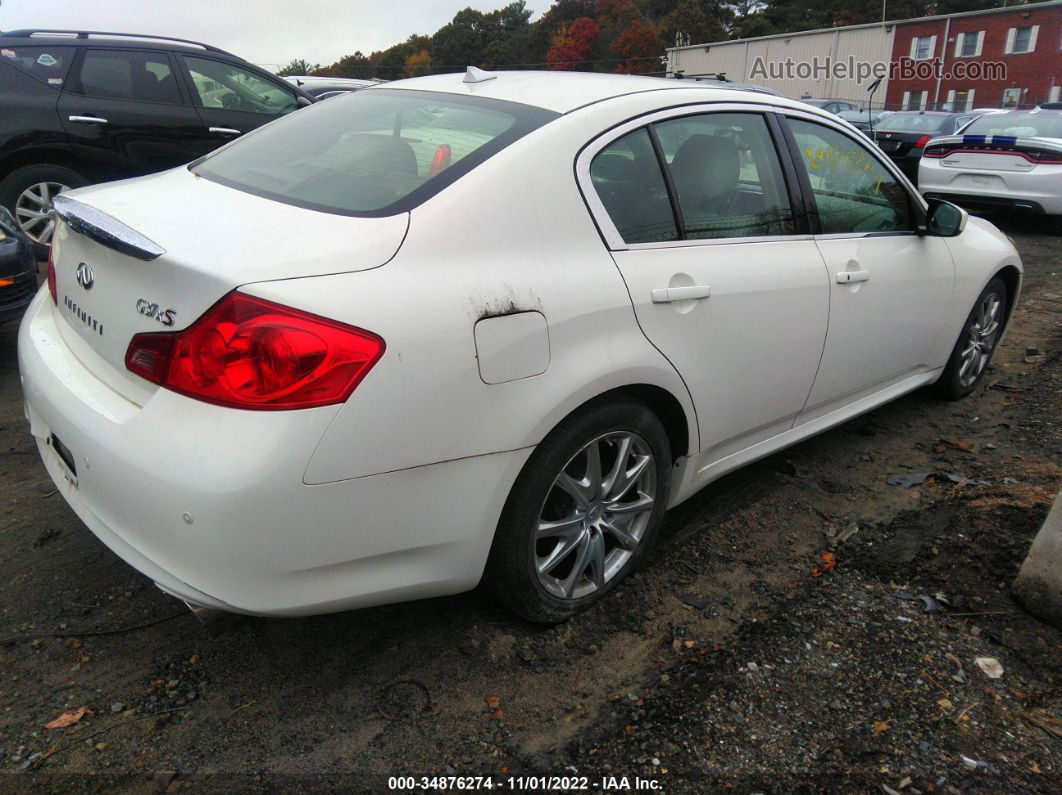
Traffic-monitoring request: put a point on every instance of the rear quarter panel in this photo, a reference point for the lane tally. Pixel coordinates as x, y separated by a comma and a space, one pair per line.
514, 235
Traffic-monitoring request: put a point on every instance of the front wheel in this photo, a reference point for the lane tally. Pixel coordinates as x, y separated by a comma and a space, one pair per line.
977, 342
583, 512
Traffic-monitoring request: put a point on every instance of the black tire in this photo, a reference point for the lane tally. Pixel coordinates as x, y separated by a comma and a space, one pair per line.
512, 574
13, 185
952, 385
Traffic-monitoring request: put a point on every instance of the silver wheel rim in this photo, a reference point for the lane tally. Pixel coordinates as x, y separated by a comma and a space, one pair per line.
33, 210
980, 339
595, 515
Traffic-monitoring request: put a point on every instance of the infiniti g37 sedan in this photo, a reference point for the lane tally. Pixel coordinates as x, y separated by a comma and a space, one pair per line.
488, 327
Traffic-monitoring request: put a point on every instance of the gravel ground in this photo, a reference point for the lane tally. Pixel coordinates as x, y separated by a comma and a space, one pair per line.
777, 640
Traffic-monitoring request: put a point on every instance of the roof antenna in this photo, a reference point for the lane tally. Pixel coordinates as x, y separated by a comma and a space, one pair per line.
477, 75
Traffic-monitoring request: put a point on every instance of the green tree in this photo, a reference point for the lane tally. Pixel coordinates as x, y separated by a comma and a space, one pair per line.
298, 66
700, 21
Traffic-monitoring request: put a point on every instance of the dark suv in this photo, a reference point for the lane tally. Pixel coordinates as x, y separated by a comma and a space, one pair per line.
82, 107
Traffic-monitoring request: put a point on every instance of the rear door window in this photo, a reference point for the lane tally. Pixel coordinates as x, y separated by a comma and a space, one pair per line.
135, 75
373, 152
726, 174
50, 65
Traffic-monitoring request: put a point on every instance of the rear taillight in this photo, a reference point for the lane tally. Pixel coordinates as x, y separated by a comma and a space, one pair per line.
249, 353
935, 151
52, 288
922, 141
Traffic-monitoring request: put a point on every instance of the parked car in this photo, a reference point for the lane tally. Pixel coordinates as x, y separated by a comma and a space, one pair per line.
834, 106
865, 120
327, 87
320, 369
18, 268
1010, 160
83, 107
904, 134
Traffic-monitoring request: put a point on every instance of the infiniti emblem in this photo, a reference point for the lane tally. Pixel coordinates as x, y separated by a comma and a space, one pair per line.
85, 276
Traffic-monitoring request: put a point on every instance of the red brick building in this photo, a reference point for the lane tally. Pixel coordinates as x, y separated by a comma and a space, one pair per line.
1007, 57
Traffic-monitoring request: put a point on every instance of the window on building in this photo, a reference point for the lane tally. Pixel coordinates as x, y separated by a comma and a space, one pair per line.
923, 47
960, 100
915, 100
1021, 40
1012, 97
968, 45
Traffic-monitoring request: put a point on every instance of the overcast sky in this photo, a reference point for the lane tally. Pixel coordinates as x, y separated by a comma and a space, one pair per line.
266, 32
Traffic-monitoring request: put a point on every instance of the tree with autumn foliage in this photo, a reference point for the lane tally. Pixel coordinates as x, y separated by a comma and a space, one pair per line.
417, 64
573, 45
640, 48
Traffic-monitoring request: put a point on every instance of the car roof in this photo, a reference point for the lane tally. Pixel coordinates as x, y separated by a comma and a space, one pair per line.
561, 92
931, 113
68, 38
312, 80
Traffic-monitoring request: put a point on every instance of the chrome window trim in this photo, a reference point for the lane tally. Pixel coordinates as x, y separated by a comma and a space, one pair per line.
713, 241
916, 198
613, 239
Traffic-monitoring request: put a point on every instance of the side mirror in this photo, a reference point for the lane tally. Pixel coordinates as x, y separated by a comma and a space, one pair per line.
303, 102
944, 219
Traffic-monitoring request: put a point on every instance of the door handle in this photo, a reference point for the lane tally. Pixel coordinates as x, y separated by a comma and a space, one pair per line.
665, 295
847, 277
225, 131
89, 120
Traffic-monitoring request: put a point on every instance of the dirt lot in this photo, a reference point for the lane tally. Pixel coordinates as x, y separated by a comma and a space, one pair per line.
756, 652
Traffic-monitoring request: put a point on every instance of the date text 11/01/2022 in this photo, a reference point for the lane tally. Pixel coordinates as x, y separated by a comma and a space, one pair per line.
524, 783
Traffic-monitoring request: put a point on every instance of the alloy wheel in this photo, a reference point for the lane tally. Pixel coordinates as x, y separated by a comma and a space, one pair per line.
981, 335
33, 210
595, 515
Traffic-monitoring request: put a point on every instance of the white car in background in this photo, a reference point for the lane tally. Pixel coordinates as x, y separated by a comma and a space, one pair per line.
1010, 160
489, 327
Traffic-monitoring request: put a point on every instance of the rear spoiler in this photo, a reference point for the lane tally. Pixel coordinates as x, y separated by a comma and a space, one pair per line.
105, 230
1036, 150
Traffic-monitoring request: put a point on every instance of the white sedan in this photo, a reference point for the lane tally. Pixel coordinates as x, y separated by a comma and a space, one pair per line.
1002, 161
488, 327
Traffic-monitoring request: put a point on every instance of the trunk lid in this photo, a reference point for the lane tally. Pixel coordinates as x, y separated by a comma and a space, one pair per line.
997, 153
896, 144
212, 238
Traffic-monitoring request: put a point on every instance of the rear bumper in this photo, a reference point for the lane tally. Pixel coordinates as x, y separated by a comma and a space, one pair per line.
210, 503
988, 203
1031, 193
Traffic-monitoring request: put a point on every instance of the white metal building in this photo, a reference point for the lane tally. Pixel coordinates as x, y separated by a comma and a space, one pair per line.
747, 60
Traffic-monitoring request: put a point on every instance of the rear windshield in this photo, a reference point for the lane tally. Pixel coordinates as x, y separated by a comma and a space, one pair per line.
373, 152
913, 122
1044, 124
